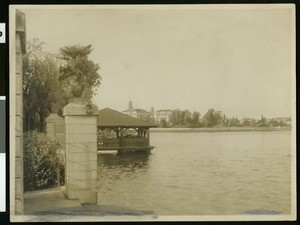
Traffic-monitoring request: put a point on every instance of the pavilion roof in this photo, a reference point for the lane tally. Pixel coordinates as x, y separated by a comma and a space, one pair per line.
111, 118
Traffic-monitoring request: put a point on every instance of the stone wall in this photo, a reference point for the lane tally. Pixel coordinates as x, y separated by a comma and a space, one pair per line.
20, 50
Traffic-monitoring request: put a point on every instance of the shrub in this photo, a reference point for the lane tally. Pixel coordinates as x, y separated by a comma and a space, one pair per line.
42, 165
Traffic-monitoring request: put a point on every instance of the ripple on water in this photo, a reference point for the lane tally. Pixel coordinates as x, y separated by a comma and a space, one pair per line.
202, 174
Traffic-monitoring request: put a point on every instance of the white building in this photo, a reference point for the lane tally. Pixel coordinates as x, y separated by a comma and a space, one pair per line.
139, 113
163, 114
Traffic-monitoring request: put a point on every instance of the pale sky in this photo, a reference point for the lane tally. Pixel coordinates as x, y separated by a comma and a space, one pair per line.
239, 60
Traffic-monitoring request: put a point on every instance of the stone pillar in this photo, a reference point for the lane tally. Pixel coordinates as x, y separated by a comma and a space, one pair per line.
55, 129
50, 124
81, 152
19, 51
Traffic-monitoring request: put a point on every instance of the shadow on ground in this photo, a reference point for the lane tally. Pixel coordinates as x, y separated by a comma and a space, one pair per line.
54, 202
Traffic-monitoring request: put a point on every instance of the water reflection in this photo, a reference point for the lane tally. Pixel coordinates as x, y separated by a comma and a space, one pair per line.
129, 162
202, 174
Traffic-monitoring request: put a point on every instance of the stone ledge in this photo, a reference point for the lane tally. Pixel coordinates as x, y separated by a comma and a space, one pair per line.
77, 109
54, 117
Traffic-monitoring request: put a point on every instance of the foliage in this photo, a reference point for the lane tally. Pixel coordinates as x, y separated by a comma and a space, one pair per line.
195, 122
42, 164
184, 118
230, 122
163, 123
78, 73
212, 118
46, 85
215, 118
262, 122
41, 88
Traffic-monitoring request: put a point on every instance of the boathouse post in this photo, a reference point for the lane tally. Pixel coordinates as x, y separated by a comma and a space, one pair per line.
81, 152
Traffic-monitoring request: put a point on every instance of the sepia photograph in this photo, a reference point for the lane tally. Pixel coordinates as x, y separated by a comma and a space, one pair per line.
152, 112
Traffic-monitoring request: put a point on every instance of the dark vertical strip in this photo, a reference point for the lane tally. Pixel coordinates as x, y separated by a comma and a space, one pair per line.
3, 49
2, 69
2, 126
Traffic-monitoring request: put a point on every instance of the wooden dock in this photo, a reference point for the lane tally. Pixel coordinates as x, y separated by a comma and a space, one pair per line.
122, 150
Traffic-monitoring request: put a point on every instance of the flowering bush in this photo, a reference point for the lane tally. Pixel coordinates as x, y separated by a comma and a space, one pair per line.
43, 167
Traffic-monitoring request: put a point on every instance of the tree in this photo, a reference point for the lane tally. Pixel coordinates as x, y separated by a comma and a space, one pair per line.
175, 117
41, 88
233, 122
212, 118
181, 118
78, 73
262, 122
195, 119
163, 123
186, 117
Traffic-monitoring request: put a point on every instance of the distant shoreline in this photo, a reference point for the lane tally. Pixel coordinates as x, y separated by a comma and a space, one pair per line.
218, 129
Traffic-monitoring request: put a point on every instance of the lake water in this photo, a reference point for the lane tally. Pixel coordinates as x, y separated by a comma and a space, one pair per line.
221, 173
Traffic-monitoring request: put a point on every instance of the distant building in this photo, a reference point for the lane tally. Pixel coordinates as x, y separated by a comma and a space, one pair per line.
139, 113
280, 122
249, 122
163, 114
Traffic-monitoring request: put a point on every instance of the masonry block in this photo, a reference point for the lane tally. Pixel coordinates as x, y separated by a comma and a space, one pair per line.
19, 125
19, 168
19, 146
18, 206
60, 128
18, 188
19, 84
82, 166
61, 138
50, 128
85, 195
56, 128
18, 44
78, 185
19, 63
81, 129
81, 120
81, 138
87, 175
19, 105
81, 147
82, 184
82, 156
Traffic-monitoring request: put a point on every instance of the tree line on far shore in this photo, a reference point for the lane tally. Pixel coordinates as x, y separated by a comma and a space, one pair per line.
215, 118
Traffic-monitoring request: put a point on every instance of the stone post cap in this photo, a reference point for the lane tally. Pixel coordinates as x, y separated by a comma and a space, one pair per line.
80, 109
54, 117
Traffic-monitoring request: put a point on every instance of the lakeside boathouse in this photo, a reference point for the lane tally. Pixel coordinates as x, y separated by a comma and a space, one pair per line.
118, 131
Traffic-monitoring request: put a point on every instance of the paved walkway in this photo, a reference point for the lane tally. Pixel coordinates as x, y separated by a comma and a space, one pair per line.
45, 200
52, 202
